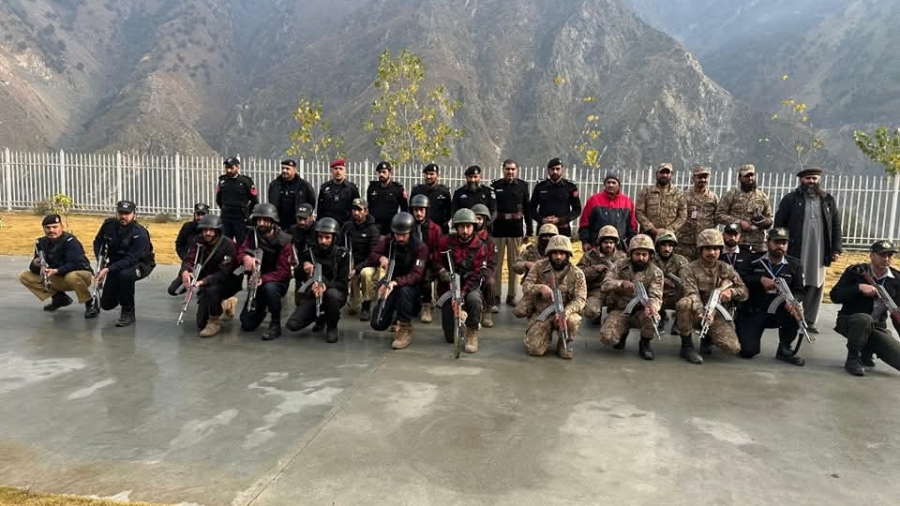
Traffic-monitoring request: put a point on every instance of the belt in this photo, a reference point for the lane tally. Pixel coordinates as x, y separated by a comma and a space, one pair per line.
510, 216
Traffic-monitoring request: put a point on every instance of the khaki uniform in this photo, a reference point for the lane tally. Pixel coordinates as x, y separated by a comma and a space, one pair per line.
701, 215
737, 205
362, 286
571, 283
75, 281
672, 266
530, 254
618, 323
660, 207
595, 266
699, 282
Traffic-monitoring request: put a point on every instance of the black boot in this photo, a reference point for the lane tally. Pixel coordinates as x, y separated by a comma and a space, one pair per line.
176, 287
644, 349
274, 332
866, 358
687, 350
331, 334
853, 365
320, 324
91, 310
364, 313
126, 317
785, 354
621, 344
59, 299
706, 346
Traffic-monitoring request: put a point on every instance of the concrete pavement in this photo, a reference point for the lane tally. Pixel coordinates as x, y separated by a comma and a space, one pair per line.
154, 413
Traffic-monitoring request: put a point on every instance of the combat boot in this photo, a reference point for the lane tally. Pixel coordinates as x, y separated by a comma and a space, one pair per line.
59, 299
91, 310
126, 317
866, 358
487, 321
365, 313
621, 344
687, 350
562, 350
471, 340
320, 324
331, 334
785, 354
274, 331
853, 365
706, 346
427, 317
229, 306
644, 349
403, 336
212, 327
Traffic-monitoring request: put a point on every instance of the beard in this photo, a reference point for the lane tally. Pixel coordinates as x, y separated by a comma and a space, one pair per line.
639, 266
555, 177
731, 243
665, 256
473, 186
812, 189
748, 187
663, 182
559, 265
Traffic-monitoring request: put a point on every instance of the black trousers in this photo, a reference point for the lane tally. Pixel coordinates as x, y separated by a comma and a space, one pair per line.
210, 297
305, 313
865, 335
118, 289
402, 305
268, 299
474, 306
234, 227
750, 324
487, 291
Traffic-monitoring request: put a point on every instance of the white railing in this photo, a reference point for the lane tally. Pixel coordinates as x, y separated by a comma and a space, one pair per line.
172, 184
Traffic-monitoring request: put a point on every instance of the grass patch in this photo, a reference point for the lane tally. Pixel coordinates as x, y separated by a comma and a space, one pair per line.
12, 496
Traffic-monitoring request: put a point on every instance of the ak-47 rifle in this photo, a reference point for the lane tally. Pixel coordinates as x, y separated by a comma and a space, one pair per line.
883, 295
97, 288
195, 276
385, 281
45, 278
255, 274
641, 297
454, 295
787, 297
676, 283
315, 279
349, 245
557, 308
713, 305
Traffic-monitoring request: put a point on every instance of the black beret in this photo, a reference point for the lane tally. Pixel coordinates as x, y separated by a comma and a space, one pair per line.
289, 163
431, 167
51, 219
384, 166
231, 161
554, 162
473, 170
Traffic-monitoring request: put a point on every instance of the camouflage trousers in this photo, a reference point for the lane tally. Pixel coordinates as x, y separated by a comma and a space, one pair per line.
539, 334
721, 332
618, 324
669, 300
593, 307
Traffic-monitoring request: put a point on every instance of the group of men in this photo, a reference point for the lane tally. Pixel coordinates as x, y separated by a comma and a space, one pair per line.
394, 256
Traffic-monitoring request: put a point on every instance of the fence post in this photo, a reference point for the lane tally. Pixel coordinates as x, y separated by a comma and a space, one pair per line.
118, 176
301, 169
63, 180
7, 178
893, 231
177, 186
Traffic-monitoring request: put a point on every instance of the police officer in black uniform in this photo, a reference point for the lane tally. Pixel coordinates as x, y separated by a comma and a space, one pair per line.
335, 262
752, 316
473, 192
734, 253
129, 253
336, 196
184, 242
555, 199
385, 197
288, 191
438, 196
513, 208
236, 196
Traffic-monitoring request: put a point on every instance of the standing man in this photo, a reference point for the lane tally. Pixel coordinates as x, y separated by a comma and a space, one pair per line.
609, 207
236, 196
67, 269
438, 196
184, 242
752, 317
130, 259
430, 233
811, 217
555, 199
661, 206
863, 315
337, 195
701, 212
473, 192
386, 197
513, 208
749, 207
362, 236
288, 191
596, 263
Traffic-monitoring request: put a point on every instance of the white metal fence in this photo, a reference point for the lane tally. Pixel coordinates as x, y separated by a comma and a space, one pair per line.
172, 184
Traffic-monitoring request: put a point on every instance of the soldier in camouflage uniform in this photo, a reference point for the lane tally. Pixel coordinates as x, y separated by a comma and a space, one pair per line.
700, 278
660, 206
701, 205
571, 284
619, 286
595, 263
670, 263
747, 206
531, 255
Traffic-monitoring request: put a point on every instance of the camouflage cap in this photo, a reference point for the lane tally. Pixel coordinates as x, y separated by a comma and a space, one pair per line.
700, 169
548, 229
666, 236
559, 243
710, 238
747, 168
665, 166
360, 204
608, 232
777, 234
883, 247
640, 241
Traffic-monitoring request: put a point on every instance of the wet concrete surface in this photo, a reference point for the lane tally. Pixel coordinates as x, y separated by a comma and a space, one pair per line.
154, 413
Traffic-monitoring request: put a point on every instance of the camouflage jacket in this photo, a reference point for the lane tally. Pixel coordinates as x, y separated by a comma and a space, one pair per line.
700, 281
737, 205
672, 267
660, 208
701, 215
617, 298
531, 254
570, 282
595, 265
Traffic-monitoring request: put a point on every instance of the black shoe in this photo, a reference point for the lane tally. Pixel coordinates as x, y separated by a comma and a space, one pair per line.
331, 335
674, 331
853, 365
126, 317
364, 313
866, 359
274, 332
91, 310
811, 328
706, 346
785, 354
176, 287
644, 349
687, 351
320, 325
59, 299
621, 344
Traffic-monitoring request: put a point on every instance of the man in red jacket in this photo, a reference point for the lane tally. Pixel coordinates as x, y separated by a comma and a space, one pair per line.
609, 207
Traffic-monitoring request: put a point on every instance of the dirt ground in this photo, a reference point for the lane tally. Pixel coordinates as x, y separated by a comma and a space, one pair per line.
11, 496
18, 232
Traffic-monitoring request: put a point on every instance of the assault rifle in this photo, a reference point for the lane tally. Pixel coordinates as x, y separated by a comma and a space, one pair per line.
45, 278
315, 279
454, 295
349, 244
883, 295
385, 281
558, 309
255, 275
785, 296
641, 297
713, 305
195, 276
97, 288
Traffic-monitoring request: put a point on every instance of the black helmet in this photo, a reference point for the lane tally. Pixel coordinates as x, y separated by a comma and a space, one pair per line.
403, 223
327, 226
265, 211
201, 208
210, 221
419, 200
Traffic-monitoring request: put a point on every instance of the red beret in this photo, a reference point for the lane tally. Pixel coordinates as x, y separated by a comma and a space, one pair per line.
339, 161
